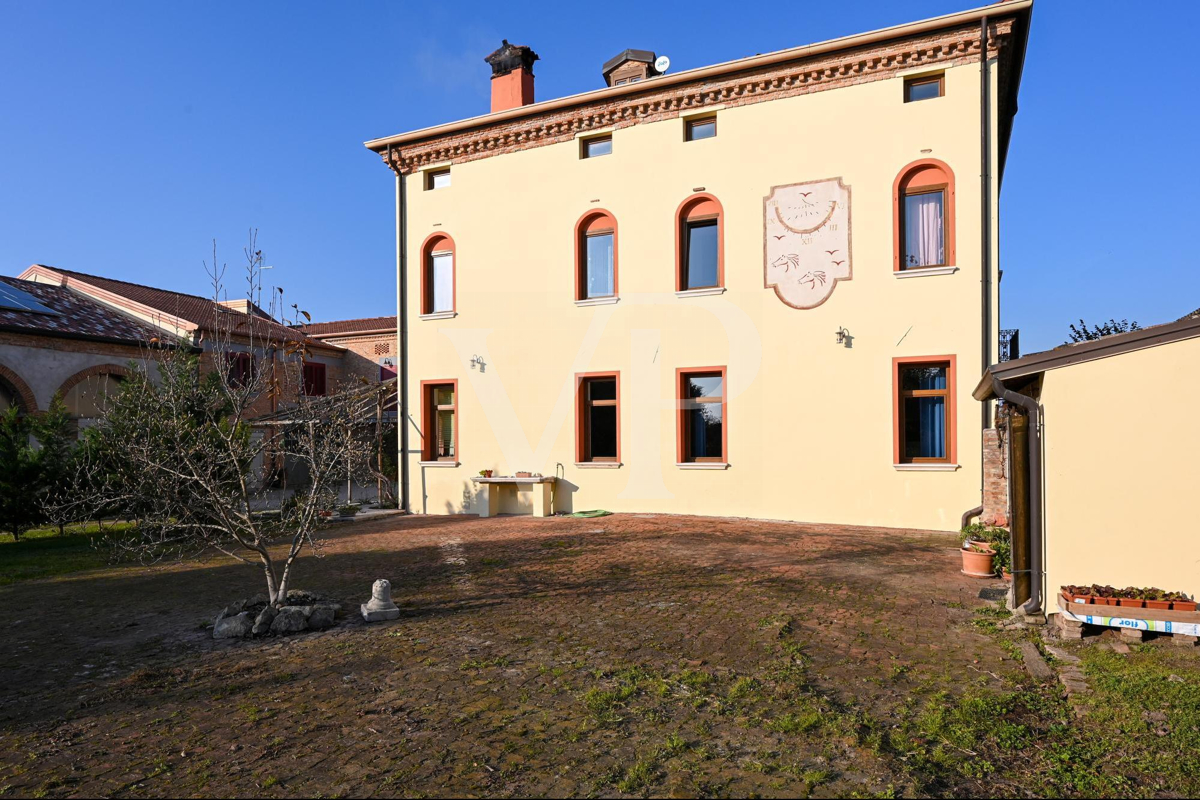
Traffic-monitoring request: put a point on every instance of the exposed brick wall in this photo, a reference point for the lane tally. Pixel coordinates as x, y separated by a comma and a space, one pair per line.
362, 360
995, 476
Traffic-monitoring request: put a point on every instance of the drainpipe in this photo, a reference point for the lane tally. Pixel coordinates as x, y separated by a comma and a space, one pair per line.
985, 203
970, 515
1032, 606
402, 325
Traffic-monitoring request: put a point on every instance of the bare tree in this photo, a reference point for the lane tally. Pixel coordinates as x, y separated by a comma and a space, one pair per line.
195, 452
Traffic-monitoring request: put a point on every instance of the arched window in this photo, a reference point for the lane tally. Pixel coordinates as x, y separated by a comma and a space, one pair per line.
699, 244
923, 216
596, 256
438, 285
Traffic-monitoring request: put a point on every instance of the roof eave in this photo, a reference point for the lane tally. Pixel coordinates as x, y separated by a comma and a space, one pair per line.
1004, 9
1117, 344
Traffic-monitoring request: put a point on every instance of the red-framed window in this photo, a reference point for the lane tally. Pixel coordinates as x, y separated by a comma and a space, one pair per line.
598, 418
439, 420
702, 432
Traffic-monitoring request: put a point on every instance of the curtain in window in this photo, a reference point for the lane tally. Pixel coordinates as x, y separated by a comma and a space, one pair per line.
923, 235
445, 434
932, 414
443, 282
600, 265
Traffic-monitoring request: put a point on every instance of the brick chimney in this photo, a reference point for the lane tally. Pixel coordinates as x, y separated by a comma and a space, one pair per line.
512, 76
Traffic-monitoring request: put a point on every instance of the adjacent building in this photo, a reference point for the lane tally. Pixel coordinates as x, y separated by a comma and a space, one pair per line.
369, 342
1100, 454
759, 288
57, 342
75, 334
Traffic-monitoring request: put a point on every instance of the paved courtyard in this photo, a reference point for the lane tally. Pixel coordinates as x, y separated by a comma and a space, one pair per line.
624, 655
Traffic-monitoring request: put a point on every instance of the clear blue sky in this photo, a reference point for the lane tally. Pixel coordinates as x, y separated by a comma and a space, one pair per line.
132, 134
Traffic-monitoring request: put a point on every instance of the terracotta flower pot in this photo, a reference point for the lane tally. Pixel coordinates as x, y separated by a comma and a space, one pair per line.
1006, 575
978, 563
1159, 605
1183, 605
524, 474
1130, 602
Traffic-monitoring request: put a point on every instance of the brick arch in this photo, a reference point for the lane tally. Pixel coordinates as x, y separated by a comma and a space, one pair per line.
83, 374
24, 394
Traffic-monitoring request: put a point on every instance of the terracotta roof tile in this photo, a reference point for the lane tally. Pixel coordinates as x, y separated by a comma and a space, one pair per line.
349, 326
201, 311
76, 317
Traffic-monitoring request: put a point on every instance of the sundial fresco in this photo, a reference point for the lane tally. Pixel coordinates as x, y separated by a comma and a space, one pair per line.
807, 240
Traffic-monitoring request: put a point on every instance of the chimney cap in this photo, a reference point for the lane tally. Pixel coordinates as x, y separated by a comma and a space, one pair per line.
508, 57
630, 54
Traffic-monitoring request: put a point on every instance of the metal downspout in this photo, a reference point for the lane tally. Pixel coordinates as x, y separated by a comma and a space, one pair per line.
985, 204
402, 325
1034, 604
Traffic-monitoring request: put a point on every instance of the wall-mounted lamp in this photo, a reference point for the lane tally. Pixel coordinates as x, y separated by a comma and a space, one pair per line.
844, 338
476, 361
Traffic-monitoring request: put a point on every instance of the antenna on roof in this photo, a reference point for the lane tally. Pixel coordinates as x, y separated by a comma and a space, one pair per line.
662, 64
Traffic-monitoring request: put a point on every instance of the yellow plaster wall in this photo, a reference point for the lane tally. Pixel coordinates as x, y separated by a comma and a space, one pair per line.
1122, 466
810, 422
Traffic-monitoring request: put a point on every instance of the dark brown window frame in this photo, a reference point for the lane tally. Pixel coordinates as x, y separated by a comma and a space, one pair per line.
691, 122
587, 140
429, 176
947, 396
923, 80
707, 221
937, 188
583, 454
429, 413
682, 425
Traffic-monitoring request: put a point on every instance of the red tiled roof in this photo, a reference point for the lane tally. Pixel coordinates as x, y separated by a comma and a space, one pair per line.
207, 314
77, 317
349, 326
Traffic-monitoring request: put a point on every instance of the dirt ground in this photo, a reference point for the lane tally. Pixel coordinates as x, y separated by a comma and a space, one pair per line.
625, 655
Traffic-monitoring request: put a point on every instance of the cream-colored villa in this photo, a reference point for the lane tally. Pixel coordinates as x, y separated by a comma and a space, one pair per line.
762, 288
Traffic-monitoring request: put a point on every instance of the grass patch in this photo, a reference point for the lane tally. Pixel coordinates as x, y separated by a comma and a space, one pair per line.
43, 553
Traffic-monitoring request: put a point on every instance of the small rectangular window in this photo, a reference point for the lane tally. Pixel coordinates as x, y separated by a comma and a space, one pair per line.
599, 277
314, 380
924, 88
437, 179
440, 422
696, 129
924, 227
599, 146
599, 416
923, 416
701, 253
702, 416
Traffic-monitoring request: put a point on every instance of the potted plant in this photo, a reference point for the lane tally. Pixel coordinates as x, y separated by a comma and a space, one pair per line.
485, 473
1156, 599
349, 509
981, 543
1130, 597
978, 559
1180, 603
1077, 594
1104, 595
524, 474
